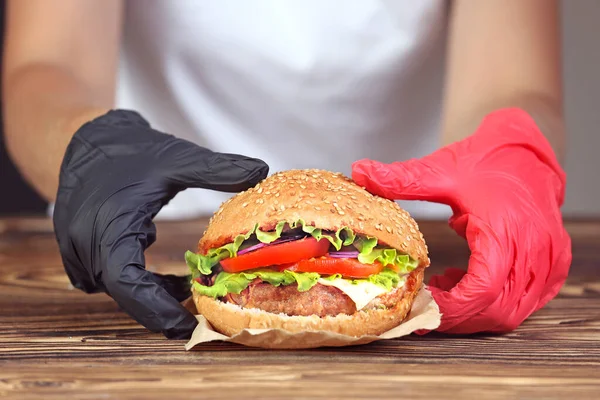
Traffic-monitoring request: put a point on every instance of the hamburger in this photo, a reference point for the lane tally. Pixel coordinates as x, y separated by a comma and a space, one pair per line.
308, 250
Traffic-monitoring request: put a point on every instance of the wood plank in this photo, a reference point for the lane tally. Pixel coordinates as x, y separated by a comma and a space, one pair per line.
301, 380
561, 334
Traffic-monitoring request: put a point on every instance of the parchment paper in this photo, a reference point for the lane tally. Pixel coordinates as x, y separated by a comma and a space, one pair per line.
425, 314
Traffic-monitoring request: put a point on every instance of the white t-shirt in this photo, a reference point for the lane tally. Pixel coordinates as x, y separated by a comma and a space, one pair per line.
296, 83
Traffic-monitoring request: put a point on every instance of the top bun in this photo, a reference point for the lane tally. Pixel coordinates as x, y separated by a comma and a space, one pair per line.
322, 199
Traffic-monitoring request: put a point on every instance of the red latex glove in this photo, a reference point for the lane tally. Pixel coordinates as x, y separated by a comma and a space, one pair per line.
505, 188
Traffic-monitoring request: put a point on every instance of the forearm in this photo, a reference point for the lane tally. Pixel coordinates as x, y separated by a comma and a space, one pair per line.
547, 113
43, 107
504, 54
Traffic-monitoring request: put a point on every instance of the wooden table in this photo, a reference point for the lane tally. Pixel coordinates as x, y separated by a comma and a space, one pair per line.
56, 342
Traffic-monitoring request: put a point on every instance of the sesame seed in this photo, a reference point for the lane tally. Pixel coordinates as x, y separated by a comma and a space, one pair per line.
282, 207
387, 228
332, 210
317, 208
259, 190
379, 227
341, 212
311, 195
243, 205
277, 194
302, 186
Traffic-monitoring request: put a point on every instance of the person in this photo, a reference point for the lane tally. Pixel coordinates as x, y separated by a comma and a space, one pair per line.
121, 111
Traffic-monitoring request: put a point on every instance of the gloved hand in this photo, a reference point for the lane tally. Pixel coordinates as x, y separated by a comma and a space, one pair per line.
505, 188
117, 173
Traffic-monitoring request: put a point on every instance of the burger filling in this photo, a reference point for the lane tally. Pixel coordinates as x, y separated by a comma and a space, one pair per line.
297, 269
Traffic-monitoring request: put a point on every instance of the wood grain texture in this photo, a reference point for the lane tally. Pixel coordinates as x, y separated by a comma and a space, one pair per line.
57, 342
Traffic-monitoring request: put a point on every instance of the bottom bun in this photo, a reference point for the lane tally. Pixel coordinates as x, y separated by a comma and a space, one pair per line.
230, 319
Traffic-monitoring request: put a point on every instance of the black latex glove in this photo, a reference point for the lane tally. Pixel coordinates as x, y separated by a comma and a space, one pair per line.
116, 175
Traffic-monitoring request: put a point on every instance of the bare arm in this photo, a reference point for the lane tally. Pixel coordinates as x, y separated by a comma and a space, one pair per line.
60, 66
504, 53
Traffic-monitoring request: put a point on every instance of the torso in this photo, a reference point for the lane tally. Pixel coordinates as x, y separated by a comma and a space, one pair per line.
311, 84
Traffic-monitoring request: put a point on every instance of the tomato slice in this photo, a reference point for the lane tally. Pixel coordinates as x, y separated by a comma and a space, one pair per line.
347, 267
284, 253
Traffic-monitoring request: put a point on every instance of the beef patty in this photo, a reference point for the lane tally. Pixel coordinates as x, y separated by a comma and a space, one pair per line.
320, 300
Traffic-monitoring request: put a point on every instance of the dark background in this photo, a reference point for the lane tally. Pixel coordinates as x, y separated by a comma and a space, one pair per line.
16, 196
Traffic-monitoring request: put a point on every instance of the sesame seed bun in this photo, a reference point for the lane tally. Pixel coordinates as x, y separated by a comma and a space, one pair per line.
230, 319
322, 199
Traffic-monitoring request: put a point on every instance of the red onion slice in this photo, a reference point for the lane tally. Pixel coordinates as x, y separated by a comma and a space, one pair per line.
344, 254
278, 241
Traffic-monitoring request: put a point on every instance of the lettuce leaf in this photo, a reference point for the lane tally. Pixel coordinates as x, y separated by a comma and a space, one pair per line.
205, 263
387, 278
367, 247
275, 278
402, 262
336, 240
332, 277
305, 280
226, 282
